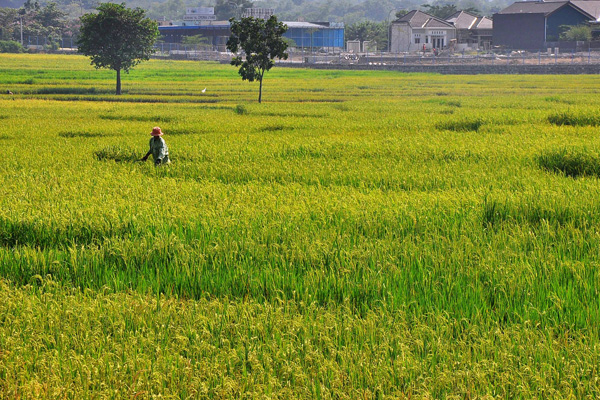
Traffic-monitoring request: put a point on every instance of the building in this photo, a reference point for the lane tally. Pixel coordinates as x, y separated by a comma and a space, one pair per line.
530, 25
305, 35
264, 13
471, 31
316, 35
215, 32
418, 30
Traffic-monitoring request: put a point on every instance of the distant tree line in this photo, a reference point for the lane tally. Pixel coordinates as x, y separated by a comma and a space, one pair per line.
47, 21
366, 20
347, 11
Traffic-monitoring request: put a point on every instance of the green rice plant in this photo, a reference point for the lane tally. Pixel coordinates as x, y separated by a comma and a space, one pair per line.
571, 118
444, 102
461, 125
273, 128
145, 118
558, 99
180, 131
74, 133
117, 153
240, 109
357, 247
570, 161
66, 90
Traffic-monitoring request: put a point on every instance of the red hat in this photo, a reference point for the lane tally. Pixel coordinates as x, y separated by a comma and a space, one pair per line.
156, 131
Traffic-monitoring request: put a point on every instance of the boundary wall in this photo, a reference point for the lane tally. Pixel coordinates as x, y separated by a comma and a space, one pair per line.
551, 69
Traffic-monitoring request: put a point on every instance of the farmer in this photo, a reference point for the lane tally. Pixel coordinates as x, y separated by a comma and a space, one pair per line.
158, 148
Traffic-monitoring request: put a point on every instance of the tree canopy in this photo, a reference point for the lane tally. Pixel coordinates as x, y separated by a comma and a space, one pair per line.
117, 38
225, 9
576, 33
445, 10
261, 41
373, 31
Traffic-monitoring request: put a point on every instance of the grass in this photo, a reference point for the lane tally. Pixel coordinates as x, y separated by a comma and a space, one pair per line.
336, 241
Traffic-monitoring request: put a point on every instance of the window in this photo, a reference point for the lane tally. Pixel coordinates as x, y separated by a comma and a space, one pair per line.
417, 40
426, 39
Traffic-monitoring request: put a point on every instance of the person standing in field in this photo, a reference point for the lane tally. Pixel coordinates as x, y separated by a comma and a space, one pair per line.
158, 148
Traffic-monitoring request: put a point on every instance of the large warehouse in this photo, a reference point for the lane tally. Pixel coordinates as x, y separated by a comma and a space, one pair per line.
305, 35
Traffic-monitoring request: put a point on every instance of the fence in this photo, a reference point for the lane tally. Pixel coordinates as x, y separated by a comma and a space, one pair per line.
49, 43
453, 58
555, 56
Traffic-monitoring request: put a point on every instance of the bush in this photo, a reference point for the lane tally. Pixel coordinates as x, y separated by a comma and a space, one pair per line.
570, 162
10, 46
240, 109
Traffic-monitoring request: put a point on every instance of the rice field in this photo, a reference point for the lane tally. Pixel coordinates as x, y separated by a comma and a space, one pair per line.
358, 235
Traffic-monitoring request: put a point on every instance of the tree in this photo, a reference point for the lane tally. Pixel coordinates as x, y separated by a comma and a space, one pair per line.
225, 9
373, 31
445, 10
581, 33
440, 11
8, 24
117, 38
261, 41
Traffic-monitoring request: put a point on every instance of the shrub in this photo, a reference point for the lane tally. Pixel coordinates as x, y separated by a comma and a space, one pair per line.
240, 110
570, 162
10, 46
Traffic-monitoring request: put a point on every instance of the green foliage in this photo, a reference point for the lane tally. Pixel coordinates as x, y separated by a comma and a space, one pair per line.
10, 46
461, 125
581, 33
240, 109
444, 10
8, 25
117, 38
198, 40
226, 9
571, 161
261, 41
373, 31
48, 21
116, 153
337, 229
572, 118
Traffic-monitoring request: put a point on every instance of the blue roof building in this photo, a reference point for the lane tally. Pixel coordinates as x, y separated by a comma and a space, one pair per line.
306, 35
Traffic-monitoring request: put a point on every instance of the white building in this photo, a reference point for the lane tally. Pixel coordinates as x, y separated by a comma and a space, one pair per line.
417, 30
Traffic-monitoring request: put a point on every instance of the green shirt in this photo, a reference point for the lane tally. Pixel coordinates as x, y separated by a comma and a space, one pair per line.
159, 150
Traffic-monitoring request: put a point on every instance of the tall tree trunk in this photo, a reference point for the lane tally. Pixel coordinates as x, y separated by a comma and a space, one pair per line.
118, 80
260, 89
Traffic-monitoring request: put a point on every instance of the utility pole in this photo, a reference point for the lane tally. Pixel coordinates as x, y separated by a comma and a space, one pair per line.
389, 27
21, 25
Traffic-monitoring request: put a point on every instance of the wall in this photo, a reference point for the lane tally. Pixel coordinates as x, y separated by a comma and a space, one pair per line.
401, 38
564, 16
465, 69
325, 37
519, 31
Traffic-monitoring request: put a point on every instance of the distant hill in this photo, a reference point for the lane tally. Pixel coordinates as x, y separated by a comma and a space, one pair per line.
347, 11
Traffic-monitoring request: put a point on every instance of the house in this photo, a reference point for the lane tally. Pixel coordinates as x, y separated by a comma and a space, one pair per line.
418, 30
529, 25
471, 31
